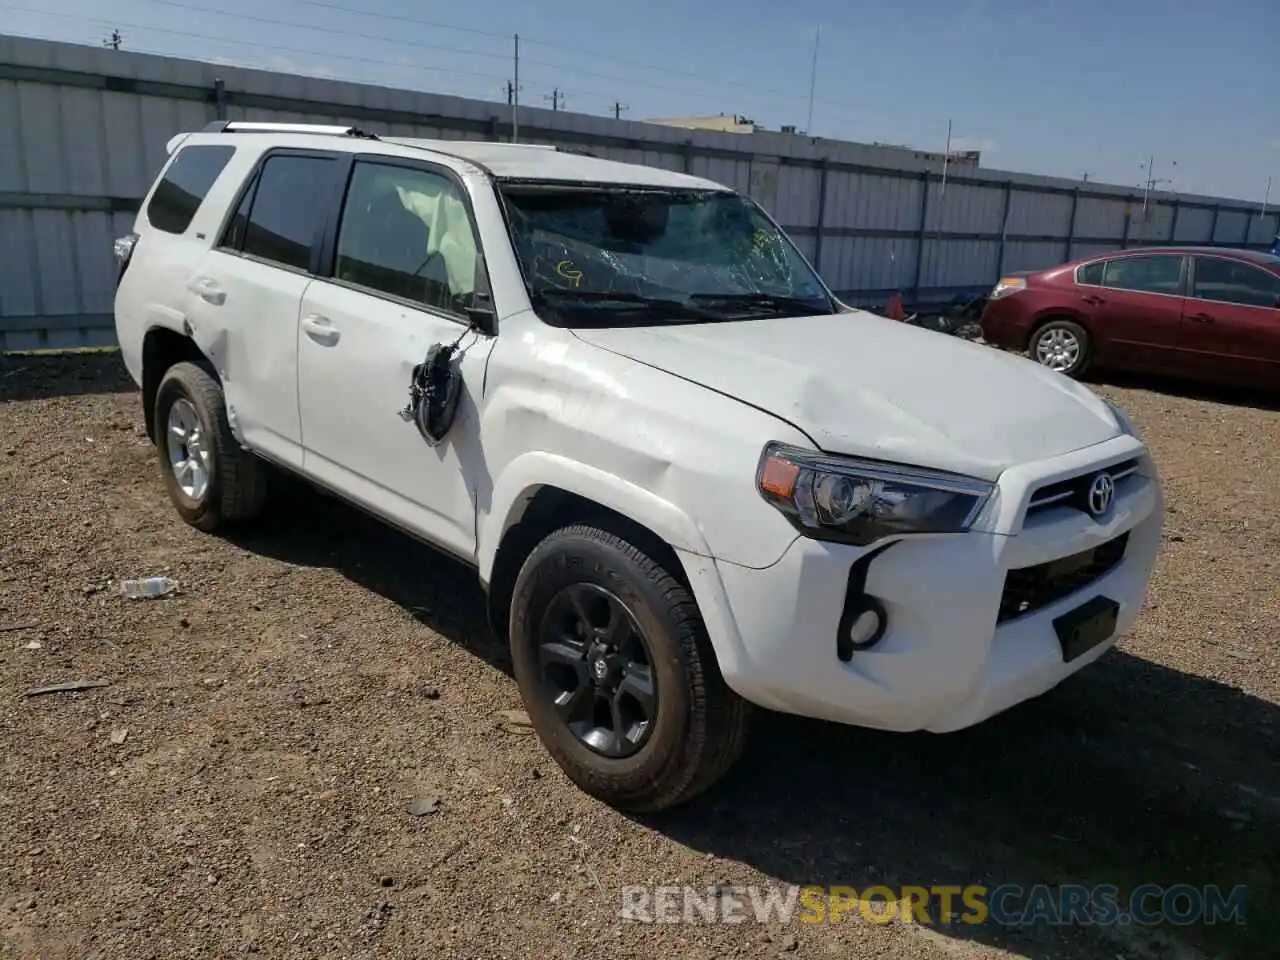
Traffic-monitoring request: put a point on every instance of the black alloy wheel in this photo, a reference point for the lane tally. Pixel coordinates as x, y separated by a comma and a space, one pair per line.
596, 666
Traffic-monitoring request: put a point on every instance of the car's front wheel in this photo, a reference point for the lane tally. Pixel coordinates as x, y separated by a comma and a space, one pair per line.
211, 480
617, 674
1062, 345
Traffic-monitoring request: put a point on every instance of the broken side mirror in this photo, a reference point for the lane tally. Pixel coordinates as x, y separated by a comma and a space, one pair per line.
481, 315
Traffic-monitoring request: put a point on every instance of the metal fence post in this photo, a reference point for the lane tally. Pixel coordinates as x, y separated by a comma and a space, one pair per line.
920, 235
688, 156
821, 220
219, 99
1128, 219
1071, 226
1173, 225
1004, 226
1213, 226
1248, 225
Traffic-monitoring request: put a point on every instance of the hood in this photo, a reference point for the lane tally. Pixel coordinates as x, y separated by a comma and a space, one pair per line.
863, 385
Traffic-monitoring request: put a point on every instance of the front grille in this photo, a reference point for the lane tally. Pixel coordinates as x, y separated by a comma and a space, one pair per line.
1074, 491
1031, 588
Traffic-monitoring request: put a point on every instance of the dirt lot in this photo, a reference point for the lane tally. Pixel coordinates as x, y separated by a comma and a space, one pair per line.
241, 784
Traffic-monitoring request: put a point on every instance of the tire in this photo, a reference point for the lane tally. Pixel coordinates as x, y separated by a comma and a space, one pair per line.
697, 726
1075, 350
235, 483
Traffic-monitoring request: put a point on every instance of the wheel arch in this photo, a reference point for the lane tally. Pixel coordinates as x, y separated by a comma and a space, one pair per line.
162, 347
542, 492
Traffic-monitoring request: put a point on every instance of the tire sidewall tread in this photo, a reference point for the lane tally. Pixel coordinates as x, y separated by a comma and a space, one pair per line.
237, 481
700, 725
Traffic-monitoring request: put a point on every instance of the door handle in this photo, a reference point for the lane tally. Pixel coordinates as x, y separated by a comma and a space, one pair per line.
208, 290
1200, 318
1093, 301
320, 329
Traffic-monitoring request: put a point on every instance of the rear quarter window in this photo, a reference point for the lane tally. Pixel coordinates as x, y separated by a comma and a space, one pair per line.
185, 184
1091, 273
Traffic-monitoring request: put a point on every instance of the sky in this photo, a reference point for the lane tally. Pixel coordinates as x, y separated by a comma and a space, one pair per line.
1092, 87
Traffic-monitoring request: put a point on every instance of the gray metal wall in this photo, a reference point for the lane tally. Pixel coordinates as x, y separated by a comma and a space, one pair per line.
84, 131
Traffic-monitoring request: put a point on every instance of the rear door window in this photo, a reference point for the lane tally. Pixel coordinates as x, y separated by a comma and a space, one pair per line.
185, 184
1229, 281
1159, 273
288, 208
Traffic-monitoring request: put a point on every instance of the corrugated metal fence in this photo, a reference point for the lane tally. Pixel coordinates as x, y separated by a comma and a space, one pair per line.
85, 130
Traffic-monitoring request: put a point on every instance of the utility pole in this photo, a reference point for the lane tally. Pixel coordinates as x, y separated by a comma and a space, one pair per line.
1085, 178
1148, 185
556, 98
1152, 180
618, 109
813, 79
515, 96
1266, 198
114, 40
946, 158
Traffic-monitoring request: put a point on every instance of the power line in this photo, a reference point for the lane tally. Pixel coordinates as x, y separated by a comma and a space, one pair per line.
557, 99
576, 51
514, 94
249, 43
403, 19
413, 44
332, 30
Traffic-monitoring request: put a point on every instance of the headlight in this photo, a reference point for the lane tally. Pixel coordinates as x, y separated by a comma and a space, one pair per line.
861, 501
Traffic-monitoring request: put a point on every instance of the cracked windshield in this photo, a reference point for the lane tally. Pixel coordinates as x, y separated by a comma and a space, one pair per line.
635, 257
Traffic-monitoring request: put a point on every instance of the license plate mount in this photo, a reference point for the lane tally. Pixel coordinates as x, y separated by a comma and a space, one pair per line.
1082, 629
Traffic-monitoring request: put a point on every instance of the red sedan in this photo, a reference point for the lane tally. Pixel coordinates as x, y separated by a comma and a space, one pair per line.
1205, 313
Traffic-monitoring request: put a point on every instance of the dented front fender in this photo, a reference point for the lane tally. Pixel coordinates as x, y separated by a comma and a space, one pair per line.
669, 454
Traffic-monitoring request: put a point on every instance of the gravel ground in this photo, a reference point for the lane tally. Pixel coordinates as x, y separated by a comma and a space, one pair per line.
241, 785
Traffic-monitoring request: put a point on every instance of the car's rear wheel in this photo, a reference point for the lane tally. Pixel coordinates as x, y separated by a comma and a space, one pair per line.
1062, 345
211, 480
617, 674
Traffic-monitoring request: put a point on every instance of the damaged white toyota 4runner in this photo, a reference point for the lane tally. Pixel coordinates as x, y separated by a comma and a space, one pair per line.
689, 478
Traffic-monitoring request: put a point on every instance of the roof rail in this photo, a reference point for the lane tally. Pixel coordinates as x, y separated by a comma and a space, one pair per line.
242, 126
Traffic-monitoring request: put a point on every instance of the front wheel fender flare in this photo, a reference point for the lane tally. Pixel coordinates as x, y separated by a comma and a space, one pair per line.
531, 472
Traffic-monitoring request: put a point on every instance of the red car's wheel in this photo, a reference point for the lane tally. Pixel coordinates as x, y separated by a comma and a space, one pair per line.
1063, 346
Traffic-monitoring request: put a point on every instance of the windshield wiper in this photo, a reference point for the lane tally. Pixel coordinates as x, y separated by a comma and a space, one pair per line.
668, 308
769, 301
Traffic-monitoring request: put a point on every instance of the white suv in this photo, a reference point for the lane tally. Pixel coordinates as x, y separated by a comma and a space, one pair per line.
689, 478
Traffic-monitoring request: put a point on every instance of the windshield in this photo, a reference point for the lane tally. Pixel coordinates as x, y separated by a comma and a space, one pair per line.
637, 256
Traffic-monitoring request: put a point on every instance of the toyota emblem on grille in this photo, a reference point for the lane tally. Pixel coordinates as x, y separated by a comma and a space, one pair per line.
1101, 492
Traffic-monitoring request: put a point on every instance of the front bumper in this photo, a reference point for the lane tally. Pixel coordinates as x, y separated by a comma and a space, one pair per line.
944, 662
